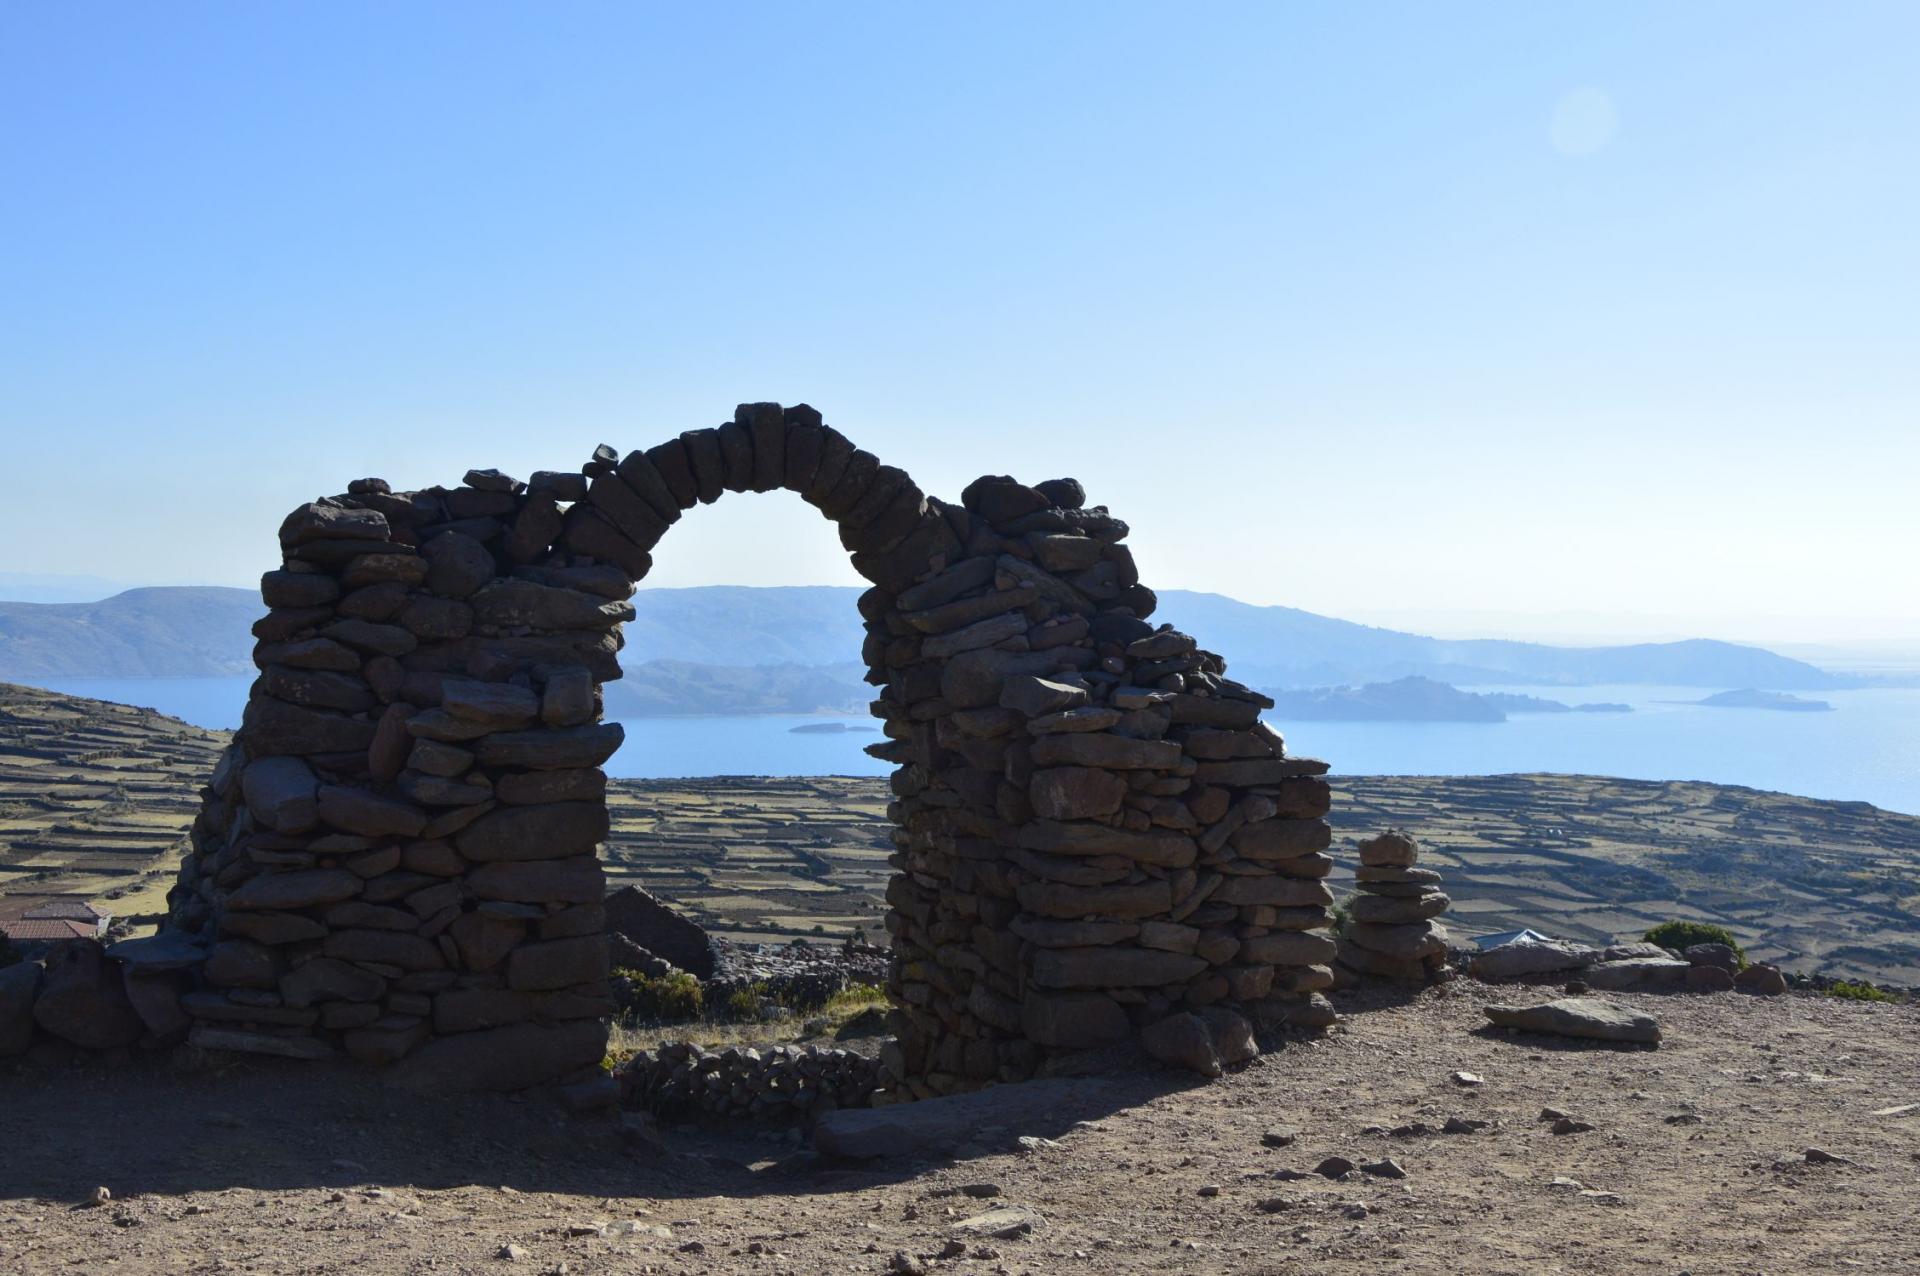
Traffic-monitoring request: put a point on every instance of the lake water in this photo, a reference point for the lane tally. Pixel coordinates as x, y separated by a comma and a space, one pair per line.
1867, 750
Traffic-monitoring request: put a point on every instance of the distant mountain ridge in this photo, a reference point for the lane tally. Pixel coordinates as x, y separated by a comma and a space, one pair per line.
203, 631
163, 631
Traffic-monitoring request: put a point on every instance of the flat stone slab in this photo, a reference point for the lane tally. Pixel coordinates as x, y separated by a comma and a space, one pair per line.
1648, 974
157, 952
945, 1124
1588, 1017
240, 1041
1519, 959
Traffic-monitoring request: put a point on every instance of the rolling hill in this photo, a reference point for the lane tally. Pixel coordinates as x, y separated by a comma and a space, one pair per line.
202, 631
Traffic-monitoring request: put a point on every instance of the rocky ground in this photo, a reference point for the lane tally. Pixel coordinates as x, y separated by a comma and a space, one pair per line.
1697, 1161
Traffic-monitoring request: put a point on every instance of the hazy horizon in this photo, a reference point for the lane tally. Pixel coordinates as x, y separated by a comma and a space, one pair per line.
1577, 629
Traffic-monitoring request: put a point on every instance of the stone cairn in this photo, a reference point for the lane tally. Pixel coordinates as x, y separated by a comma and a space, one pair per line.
397, 857
1393, 930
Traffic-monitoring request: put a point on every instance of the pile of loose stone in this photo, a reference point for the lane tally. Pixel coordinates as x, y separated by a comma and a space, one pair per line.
1393, 931
797, 974
397, 857
744, 1082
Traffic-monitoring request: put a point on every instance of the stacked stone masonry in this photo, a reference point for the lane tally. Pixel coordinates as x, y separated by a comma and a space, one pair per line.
397, 857
1393, 929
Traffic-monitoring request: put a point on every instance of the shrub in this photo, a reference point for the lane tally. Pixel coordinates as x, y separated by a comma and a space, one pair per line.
1861, 991
674, 998
743, 1004
856, 997
1342, 916
1680, 936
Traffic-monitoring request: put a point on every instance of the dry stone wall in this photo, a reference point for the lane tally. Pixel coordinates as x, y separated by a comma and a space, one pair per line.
397, 858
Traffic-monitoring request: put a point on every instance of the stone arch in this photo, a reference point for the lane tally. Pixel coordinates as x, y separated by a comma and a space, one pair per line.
1095, 835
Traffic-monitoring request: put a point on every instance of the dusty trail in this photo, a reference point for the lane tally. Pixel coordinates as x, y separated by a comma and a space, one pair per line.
1701, 1144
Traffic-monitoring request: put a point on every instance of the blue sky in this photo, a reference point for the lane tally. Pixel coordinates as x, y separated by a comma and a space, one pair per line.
1498, 317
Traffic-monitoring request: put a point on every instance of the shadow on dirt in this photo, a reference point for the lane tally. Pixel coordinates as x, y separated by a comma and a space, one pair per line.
154, 1126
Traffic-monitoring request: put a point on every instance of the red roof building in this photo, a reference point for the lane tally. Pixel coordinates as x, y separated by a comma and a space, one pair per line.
43, 918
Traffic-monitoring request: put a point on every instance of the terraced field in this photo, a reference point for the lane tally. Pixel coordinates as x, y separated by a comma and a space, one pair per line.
94, 798
1827, 886
754, 856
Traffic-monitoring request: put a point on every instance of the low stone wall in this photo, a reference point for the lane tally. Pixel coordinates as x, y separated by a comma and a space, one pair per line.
745, 1083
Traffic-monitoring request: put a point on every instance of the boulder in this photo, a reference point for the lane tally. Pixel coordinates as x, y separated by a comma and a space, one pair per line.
1233, 1038
302, 889
1763, 979
557, 963
272, 928
554, 830
1717, 955
1588, 1017
83, 998
514, 1057
1423, 939
485, 941
1072, 1020
384, 948
507, 604
1074, 792
1641, 974
1035, 696
316, 522
1390, 849
1639, 948
579, 880
1288, 948
652, 924
271, 727
467, 1010
241, 963
1182, 1041
457, 564
565, 748
1520, 958
168, 950
1390, 911
282, 794
386, 1040
1709, 979
329, 979
498, 705
155, 996
1280, 892
367, 813
568, 698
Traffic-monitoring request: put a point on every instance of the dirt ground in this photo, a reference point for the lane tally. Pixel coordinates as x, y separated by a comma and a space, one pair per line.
1696, 1163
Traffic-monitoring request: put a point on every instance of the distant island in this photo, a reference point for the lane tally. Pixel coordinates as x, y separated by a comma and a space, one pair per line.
830, 728
1416, 699
1749, 698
